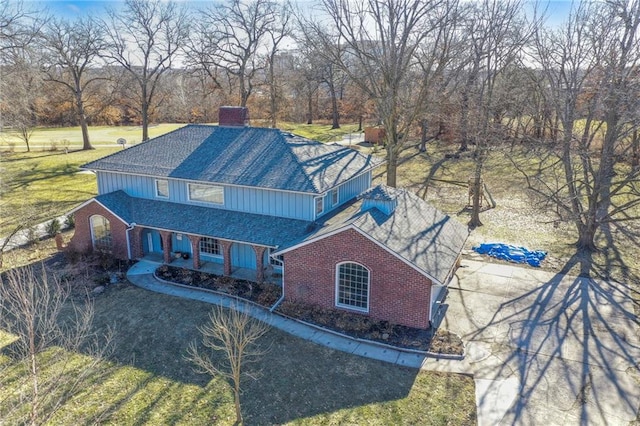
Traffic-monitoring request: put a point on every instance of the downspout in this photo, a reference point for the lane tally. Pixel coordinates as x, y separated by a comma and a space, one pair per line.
279, 301
129, 228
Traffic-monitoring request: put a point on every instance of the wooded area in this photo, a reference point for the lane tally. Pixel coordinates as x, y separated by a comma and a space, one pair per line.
477, 75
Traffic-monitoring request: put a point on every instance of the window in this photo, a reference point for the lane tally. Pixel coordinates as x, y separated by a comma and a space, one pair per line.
210, 246
334, 197
206, 193
352, 286
101, 233
319, 205
162, 188
276, 261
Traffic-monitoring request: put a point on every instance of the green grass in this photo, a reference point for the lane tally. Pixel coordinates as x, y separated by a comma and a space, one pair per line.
148, 381
45, 138
319, 132
44, 184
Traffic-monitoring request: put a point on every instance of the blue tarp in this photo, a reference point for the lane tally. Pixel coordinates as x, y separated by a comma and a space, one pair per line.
512, 253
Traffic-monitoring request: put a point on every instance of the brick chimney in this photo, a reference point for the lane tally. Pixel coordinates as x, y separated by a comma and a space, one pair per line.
233, 116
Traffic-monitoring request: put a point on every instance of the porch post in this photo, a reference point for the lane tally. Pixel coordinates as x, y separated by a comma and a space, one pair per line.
259, 263
226, 256
195, 250
166, 244
136, 243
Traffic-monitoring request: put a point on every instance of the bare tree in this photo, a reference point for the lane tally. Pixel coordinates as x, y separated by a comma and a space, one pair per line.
21, 86
18, 26
280, 30
590, 65
495, 34
50, 328
380, 41
144, 38
235, 334
231, 35
72, 48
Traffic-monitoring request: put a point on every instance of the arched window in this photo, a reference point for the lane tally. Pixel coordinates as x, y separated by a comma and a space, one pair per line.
101, 233
352, 286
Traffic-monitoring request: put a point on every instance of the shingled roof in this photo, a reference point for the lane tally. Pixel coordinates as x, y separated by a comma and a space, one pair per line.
189, 219
415, 230
246, 156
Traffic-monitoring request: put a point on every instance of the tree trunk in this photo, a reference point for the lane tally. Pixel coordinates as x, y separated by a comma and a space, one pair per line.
423, 135
335, 115
360, 123
273, 110
310, 108
86, 144
586, 237
475, 221
237, 404
635, 150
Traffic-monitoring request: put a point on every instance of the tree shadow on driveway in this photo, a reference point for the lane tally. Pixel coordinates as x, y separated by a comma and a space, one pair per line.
570, 341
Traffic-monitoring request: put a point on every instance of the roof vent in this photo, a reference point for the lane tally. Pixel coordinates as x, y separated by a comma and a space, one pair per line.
382, 197
233, 116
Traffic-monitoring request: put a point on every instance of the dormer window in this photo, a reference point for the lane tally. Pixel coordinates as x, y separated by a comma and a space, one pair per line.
162, 188
334, 196
319, 205
206, 193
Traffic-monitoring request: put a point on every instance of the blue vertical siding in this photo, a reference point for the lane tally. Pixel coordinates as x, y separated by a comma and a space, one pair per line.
183, 245
243, 256
251, 200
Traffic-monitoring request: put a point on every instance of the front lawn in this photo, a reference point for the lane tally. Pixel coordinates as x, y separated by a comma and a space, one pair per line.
148, 381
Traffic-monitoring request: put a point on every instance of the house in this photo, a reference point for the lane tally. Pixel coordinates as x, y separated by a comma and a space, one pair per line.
272, 202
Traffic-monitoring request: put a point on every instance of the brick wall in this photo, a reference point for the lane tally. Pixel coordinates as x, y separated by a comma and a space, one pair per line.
81, 240
397, 292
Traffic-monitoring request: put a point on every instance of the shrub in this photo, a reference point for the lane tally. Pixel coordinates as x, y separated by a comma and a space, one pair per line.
53, 227
70, 222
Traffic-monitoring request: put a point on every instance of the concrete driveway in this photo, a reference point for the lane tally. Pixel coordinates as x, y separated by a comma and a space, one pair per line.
546, 349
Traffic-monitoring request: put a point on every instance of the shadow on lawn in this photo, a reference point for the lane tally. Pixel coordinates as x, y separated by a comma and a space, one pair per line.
297, 379
573, 345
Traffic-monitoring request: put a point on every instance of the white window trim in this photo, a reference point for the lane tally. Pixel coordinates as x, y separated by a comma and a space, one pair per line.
337, 289
315, 205
207, 254
93, 237
202, 201
156, 188
337, 197
273, 260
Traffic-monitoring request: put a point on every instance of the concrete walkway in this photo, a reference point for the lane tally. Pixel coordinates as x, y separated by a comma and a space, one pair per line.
543, 348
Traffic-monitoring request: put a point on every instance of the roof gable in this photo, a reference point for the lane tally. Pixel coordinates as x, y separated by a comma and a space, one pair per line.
249, 156
415, 231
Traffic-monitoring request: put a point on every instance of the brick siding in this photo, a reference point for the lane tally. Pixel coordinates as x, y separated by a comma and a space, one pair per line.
81, 240
397, 292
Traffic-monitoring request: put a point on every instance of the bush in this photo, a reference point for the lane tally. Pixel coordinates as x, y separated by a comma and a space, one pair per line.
70, 222
53, 228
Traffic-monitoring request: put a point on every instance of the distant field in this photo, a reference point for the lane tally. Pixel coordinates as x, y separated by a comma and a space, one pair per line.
46, 138
49, 138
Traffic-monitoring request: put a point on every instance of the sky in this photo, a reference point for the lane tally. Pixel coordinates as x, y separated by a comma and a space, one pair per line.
557, 9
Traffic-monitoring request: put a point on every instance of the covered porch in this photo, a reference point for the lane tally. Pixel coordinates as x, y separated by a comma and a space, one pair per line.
215, 268
249, 262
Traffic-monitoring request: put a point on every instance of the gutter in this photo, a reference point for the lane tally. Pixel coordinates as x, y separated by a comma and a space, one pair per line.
279, 301
129, 228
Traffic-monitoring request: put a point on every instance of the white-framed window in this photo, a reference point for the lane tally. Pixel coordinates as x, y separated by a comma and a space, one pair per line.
319, 205
206, 193
334, 196
101, 233
352, 286
276, 261
162, 188
210, 246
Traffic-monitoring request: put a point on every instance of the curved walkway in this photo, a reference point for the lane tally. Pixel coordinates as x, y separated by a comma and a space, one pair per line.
494, 395
141, 275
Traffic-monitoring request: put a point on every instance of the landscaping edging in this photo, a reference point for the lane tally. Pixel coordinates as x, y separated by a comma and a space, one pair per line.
428, 354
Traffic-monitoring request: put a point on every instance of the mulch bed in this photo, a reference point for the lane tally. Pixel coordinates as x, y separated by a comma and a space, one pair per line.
361, 326
352, 324
263, 294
